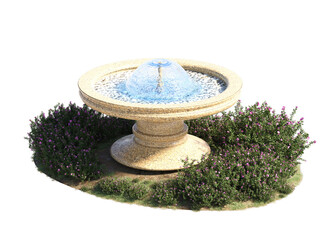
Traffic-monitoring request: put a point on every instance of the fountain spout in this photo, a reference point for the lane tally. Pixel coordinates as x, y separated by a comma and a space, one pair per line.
160, 82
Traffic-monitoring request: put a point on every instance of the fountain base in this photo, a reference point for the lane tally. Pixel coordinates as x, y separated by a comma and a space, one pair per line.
156, 146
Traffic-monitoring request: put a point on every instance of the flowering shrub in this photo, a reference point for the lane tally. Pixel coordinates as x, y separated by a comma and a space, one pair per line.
253, 125
207, 185
259, 126
254, 152
239, 174
64, 141
165, 193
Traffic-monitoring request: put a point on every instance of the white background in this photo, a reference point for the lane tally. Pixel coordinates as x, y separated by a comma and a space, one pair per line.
278, 48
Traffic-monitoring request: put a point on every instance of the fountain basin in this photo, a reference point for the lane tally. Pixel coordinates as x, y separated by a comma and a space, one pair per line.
159, 141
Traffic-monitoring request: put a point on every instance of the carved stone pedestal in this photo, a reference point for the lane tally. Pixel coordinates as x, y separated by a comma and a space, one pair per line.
158, 146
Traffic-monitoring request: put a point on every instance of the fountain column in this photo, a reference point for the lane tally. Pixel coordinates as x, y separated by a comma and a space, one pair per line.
158, 146
160, 135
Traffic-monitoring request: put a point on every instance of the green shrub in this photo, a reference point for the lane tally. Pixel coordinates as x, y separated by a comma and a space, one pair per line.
137, 191
64, 141
123, 187
285, 187
114, 186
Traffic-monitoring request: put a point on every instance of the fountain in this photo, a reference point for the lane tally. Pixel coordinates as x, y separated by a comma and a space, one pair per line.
159, 94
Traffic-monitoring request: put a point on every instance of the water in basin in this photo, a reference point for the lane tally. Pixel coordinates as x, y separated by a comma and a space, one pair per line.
160, 81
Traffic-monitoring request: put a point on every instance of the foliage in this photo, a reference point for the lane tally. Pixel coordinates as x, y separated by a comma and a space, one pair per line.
206, 184
123, 187
255, 151
64, 141
137, 191
165, 193
251, 126
114, 186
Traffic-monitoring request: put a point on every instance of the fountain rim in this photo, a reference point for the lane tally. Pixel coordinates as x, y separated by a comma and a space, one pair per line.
159, 111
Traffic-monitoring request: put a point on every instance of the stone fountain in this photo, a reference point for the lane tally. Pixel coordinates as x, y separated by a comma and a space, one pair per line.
159, 94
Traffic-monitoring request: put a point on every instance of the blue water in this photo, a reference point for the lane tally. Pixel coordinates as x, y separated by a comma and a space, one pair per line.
159, 80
